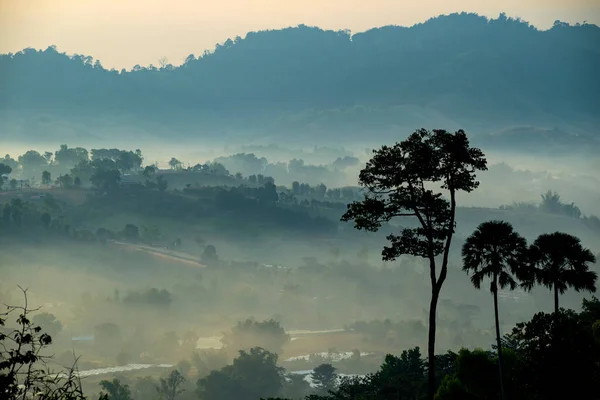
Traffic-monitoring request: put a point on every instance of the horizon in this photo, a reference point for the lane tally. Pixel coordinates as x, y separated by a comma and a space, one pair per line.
200, 54
112, 35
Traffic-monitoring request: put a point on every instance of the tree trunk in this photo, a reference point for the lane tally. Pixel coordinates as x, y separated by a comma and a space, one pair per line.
431, 343
555, 301
498, 342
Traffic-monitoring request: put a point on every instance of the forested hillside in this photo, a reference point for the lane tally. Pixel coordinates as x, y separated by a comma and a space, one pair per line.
462, 70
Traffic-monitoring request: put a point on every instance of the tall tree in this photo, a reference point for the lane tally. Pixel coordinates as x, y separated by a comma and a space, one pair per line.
9, 161
32, 161
497, 252
559, 261
46, 178
149, 171
70, 156
4, 170
400, 182
170, 387
106, 179
175, 164
253, 375
325, 378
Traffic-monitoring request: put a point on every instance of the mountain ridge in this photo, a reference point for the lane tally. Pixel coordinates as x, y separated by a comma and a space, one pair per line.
482, 74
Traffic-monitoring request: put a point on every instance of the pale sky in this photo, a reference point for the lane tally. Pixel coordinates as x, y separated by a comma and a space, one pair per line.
122, 33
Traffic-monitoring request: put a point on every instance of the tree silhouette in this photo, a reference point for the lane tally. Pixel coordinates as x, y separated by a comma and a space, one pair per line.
325, 378
25, 366
4, 170
497, 252
398, 181
175, 164
106, 179
170, 387
161, 183
149, 171
115, 390
46, 178
268, 334
209, 256
559, 261
252, 375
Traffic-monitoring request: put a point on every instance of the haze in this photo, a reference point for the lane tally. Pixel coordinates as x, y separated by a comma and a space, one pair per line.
280, 202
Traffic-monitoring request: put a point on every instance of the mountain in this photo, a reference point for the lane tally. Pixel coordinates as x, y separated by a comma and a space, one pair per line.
461, 70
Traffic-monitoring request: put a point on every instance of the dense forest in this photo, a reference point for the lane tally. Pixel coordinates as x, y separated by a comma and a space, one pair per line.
461, 70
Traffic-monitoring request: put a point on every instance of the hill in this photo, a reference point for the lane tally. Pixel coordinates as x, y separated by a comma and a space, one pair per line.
461, 70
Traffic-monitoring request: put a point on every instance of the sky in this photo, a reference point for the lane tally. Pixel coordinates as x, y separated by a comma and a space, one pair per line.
123, 33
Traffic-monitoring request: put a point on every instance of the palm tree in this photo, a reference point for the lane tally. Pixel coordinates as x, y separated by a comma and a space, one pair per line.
559, 261
497, 252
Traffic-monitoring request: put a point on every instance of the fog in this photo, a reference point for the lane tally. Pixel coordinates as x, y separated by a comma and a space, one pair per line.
157, 300
183, 218
307, 281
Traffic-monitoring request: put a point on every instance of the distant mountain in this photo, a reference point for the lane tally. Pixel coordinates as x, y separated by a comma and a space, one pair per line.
461, 70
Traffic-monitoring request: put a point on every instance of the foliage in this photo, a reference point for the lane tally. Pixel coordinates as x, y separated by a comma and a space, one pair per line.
490, 66
46, 178
268, 334
540, 357
170, 388
144, 388
495, 251
565, 340
559, 261
48, 323
398, 181
325, 378
106, 180
32, 161
175, 164
295, 386
474, 377
65, 181
115, 390
24, 367
4, 170
252, 375
208, 360
552, 204
70, 157
398, 378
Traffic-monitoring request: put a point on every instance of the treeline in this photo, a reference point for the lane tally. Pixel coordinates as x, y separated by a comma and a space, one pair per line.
464, 54
74, 167
397, 182
549, 356
552, 204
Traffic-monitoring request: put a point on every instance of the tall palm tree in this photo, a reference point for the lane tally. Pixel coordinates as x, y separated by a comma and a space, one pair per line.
559, 261
497, 252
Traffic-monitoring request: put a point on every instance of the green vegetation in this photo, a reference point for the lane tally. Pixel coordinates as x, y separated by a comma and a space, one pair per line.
497, 252
398, 183
489, 74
151, 263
